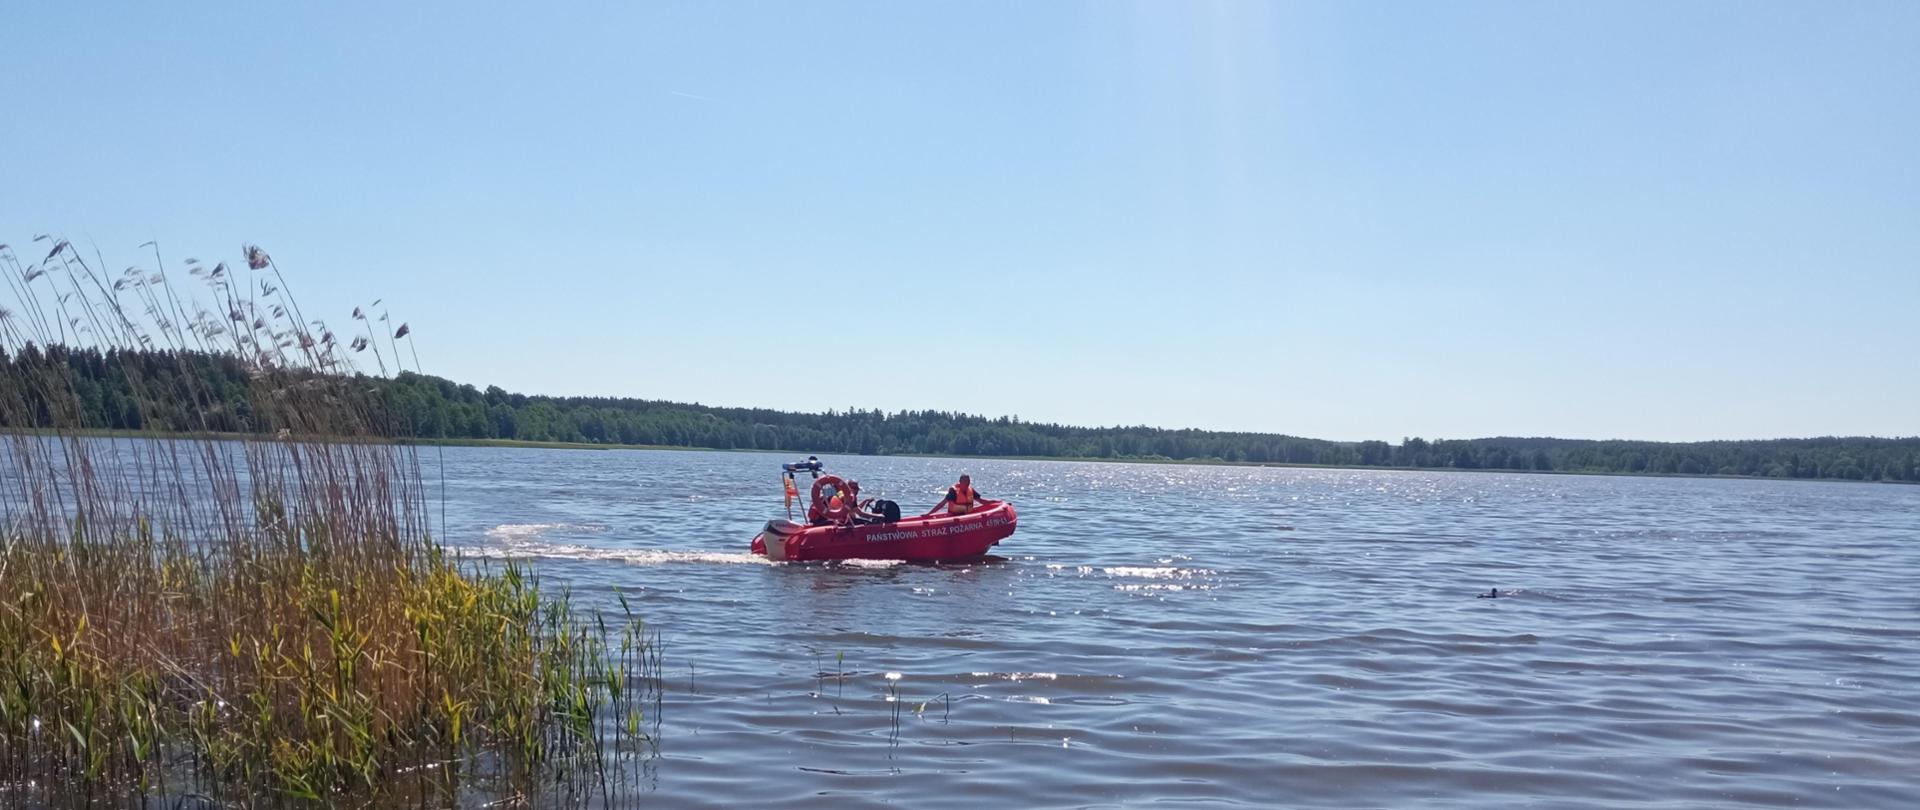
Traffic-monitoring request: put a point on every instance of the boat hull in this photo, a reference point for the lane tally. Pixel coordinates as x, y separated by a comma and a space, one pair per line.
920, 539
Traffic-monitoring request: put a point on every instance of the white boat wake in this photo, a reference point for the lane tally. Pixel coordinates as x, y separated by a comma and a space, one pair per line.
524, 541
521, 541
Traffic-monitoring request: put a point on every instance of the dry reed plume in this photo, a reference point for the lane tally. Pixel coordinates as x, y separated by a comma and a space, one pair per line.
208, 620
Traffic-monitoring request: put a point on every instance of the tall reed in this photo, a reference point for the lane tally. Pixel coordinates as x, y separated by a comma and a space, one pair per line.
269, 619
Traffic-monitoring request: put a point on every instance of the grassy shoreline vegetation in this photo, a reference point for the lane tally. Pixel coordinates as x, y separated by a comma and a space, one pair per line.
266, 618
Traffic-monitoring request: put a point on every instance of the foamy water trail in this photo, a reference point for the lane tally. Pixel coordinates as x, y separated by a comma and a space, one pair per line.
528, 541
514, 534
525, 541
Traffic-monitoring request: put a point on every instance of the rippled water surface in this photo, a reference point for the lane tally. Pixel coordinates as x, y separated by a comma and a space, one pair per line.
1224, 636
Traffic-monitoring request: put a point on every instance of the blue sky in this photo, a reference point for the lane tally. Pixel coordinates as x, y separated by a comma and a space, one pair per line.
1346, 220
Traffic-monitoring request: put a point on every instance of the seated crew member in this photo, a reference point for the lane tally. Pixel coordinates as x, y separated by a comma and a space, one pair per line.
817, 511
961, 498
857, 507
837, 511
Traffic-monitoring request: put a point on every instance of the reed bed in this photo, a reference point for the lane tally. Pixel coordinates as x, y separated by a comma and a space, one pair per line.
204, 621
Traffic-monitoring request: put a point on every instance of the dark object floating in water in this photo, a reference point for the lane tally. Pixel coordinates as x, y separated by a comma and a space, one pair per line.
1492, 593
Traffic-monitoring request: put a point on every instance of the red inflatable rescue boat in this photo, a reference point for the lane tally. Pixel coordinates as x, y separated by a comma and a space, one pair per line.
916, 539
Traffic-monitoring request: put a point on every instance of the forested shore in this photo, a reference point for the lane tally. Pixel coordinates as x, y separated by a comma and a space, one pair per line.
428, 407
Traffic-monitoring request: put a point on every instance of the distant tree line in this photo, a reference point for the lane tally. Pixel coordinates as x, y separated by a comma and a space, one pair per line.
110, 386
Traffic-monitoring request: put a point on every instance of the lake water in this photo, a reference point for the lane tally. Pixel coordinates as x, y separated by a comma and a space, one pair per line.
1228, 636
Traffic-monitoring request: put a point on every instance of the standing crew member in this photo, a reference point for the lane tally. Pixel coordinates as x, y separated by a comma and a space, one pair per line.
961, 498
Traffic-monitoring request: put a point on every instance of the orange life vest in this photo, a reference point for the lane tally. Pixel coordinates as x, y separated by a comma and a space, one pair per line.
962, 502
822, 502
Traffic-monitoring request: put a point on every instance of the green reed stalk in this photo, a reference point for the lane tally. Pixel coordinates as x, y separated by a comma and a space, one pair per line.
270, 619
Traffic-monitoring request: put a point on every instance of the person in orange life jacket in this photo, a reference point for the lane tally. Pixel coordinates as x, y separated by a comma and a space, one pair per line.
819, 513
961, 498
841, 505
844, 507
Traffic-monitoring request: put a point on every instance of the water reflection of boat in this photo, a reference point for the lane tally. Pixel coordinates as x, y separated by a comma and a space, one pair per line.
917, 539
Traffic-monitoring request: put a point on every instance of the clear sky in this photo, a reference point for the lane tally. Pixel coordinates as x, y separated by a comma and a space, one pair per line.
1671, 220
